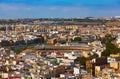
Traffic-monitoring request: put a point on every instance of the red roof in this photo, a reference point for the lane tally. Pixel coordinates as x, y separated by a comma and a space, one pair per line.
17, 76
73, 74
14, 77
58, 53
11, 77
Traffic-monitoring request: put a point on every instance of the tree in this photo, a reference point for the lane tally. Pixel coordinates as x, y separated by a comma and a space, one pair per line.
92, 56
77, 39
110, 49
5, 43
82, 60
17, 50
107, 38
2, 29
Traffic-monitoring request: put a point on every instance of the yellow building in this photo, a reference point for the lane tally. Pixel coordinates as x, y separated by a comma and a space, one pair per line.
89, 67
115, 65
98, 71
52, 41
115, 55
45, 38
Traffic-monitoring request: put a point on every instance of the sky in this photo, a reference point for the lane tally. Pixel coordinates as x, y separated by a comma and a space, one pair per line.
58, 8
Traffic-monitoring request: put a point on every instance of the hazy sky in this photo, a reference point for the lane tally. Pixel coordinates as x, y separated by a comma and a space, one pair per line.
58, 8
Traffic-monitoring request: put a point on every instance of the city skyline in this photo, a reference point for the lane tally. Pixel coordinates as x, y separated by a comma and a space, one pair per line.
58, 8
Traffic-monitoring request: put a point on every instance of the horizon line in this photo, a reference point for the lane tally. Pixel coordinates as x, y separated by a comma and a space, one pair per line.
58, 17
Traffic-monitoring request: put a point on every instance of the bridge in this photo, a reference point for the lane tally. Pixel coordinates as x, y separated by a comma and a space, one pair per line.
62, 48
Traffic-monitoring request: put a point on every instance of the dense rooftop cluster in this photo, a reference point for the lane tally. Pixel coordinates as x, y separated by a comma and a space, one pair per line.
55, 48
